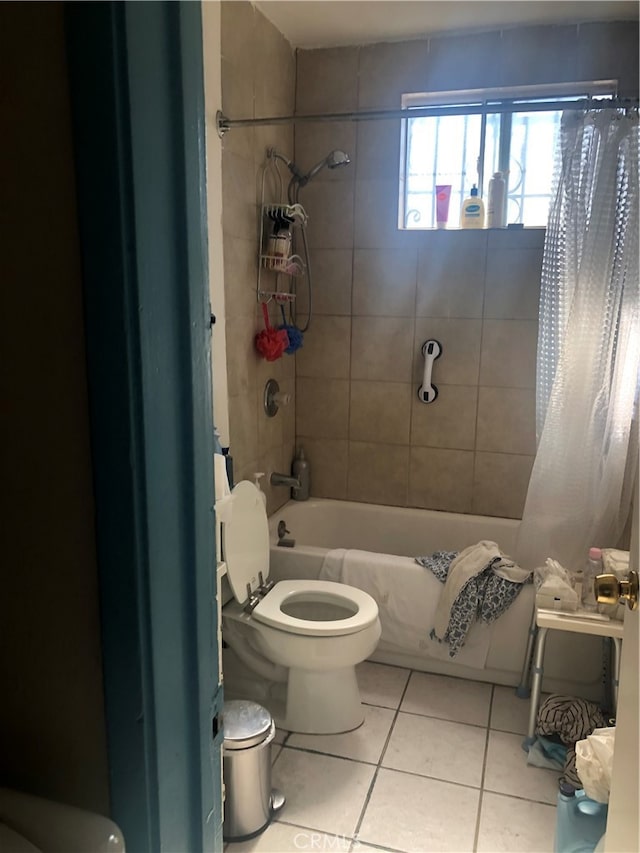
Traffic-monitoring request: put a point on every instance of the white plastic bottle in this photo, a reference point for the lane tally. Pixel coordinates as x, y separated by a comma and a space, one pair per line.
256, 479
592, 568
472, 212
496, 214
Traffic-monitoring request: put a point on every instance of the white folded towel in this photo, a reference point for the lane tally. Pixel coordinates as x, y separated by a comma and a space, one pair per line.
615, 561
407, 597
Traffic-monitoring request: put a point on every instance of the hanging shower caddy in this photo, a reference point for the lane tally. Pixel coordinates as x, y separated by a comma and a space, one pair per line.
277, 223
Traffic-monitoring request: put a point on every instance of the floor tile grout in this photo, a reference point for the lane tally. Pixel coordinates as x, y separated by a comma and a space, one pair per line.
350, 841
484, 770
380, 759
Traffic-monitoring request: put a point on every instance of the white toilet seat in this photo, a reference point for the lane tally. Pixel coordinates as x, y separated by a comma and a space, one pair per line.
269, 610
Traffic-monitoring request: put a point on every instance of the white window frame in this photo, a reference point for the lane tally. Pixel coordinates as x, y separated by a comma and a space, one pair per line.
503, 95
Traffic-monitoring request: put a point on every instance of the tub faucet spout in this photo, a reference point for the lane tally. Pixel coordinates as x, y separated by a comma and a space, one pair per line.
284, 480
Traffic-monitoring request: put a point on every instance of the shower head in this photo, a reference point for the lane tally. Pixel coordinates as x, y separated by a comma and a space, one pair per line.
338, 158
332, 161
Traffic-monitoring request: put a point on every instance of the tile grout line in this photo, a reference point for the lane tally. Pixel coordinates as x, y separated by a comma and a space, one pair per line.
484, 770
352, 838
379, 765
482, 319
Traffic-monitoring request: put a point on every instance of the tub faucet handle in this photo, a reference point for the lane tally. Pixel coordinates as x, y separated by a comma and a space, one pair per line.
282, 529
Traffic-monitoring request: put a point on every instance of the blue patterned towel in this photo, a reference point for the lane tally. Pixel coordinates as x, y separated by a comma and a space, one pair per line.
484, 597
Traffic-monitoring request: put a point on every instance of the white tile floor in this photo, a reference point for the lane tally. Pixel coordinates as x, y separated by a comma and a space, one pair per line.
437, 766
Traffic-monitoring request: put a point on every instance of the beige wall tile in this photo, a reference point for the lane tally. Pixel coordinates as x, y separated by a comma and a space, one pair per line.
451, 270
459, 361
450, 421
376, 217
329, 205
390, 69
241, 142
277, 459
274, 65
515, 238
440, 479
315, 140
609, 50
381, 348
327, 80
237, 30
500, 484
331, 271
380, 412
246, 470
507, 420
322, 408
270, 430
240, 276
328, 465
288, 413
243, 430
508, 356
384, 282
237, 91
240, 211
326, 350
378, 150
512, 289
378, 473
464, 62
545, 54
241, 355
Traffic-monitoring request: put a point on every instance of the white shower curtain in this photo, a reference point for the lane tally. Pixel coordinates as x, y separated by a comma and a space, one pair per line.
588, 345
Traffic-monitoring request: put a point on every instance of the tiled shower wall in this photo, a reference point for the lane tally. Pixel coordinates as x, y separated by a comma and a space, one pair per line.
379, 293
258, 79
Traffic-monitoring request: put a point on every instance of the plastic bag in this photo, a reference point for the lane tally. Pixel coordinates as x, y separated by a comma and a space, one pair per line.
553, 587
594, 763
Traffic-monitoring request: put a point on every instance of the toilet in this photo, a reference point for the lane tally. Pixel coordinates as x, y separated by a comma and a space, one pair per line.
308, 634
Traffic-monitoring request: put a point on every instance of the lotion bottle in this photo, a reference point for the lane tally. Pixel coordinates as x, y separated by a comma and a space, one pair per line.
472, 213
256, 479
496, 216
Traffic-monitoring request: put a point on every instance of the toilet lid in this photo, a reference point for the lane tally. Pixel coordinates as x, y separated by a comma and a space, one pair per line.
245, 540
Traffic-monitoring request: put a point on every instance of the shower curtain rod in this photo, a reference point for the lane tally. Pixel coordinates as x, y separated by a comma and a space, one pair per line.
223, 123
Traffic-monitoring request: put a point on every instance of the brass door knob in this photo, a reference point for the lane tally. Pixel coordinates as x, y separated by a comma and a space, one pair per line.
609, 590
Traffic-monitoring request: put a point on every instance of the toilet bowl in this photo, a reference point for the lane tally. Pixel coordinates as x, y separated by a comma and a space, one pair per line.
308, 634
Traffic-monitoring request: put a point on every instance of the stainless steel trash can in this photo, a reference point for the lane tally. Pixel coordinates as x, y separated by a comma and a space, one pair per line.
249, 803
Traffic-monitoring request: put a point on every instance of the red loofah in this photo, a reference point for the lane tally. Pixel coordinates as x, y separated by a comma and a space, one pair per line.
271, 343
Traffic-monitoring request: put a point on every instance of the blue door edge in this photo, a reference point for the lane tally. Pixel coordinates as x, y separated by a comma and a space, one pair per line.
136, 80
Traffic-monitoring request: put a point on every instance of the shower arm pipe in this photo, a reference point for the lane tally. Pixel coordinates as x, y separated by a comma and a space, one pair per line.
224, 123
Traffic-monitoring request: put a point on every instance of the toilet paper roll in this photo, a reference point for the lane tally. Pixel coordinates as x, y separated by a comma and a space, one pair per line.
220, 476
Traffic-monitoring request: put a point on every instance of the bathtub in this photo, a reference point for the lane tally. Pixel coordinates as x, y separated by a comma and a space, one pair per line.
573, 663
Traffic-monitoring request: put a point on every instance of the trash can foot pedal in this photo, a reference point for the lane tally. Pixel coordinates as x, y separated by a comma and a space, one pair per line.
277, 801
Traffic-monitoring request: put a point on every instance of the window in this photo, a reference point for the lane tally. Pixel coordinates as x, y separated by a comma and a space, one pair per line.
467, 149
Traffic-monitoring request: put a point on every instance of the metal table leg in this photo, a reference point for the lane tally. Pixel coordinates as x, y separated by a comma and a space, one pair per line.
536, 684
523, 690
